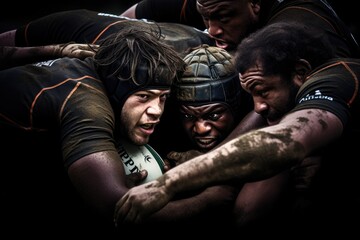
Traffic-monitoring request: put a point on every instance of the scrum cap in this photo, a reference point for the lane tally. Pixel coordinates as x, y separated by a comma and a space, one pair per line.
209, 78
120, 88
135, 59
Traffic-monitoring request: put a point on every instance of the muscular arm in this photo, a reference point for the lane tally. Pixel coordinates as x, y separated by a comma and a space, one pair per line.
216, 197
260, 199
11, 56
207, 206
8, 38
253, 156
100, 180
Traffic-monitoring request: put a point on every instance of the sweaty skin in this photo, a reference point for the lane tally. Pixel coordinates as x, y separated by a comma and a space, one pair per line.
207, 125
253, 156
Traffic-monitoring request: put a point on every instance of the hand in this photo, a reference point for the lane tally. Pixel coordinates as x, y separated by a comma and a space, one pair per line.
181, 157
168, 164
134, 179
76, 50
140, 202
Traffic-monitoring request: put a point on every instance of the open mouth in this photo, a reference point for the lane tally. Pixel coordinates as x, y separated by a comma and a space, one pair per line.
205, 142
221, 44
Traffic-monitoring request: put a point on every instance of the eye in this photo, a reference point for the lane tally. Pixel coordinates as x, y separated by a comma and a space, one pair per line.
187, 117
165, 96
214, 116
260, 93
143, 96
224, 19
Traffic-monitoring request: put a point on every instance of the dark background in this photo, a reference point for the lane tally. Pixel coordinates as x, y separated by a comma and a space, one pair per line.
15, 13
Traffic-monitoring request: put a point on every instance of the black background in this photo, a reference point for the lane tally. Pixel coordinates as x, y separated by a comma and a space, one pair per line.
16, 13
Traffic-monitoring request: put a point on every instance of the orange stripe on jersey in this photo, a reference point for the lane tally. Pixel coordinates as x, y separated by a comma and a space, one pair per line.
307, 10
52, 87
105, 29
354, 77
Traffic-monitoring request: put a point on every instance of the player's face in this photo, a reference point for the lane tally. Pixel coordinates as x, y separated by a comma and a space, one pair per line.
228, 22
141, 113
207, 125
273, 95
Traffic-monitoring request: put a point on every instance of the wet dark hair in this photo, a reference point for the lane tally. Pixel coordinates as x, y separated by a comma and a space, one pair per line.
135, 59
278, 47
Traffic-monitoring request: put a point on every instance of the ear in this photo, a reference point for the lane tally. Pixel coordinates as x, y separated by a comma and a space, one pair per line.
302, 70
255, 6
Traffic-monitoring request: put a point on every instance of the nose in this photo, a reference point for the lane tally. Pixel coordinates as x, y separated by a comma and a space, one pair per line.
260, 107
201, 127
156, 108
214, 28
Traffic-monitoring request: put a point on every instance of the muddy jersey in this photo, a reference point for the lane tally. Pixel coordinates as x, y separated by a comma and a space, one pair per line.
62, 100
85, 26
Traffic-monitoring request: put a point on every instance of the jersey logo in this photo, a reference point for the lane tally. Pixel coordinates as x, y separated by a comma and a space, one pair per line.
317, 95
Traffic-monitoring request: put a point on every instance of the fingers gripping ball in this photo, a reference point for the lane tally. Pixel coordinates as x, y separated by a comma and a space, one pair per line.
136, 158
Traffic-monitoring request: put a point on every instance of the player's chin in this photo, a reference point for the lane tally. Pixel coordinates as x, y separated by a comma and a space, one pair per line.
140, 139
272, 122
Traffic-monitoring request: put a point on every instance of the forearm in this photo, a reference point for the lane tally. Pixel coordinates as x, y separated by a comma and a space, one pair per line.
253, 156
207, 205
258, 154
15, 56
8, 38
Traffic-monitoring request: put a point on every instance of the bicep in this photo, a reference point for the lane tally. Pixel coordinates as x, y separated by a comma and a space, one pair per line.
99, 178
312, 128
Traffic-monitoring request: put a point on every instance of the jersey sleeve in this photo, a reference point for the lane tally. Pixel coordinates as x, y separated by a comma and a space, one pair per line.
333, 87
87, 124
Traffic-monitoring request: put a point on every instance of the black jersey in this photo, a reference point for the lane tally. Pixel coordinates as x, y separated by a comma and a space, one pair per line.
315, 13
62, 100
85, 26
333, 87
177, 11
319, 15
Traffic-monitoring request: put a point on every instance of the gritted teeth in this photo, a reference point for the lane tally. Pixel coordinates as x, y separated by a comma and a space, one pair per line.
148, 126
205, 141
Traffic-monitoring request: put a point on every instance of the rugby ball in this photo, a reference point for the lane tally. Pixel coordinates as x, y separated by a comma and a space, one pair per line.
136, 158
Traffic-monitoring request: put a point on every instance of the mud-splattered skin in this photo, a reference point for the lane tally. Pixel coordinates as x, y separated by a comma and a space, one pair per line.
299, 125
254, 156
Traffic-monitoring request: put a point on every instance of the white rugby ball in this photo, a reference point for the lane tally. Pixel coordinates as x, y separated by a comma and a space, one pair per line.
136, 158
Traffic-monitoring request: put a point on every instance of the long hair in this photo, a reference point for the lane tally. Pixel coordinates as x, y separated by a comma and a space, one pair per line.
135, 58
